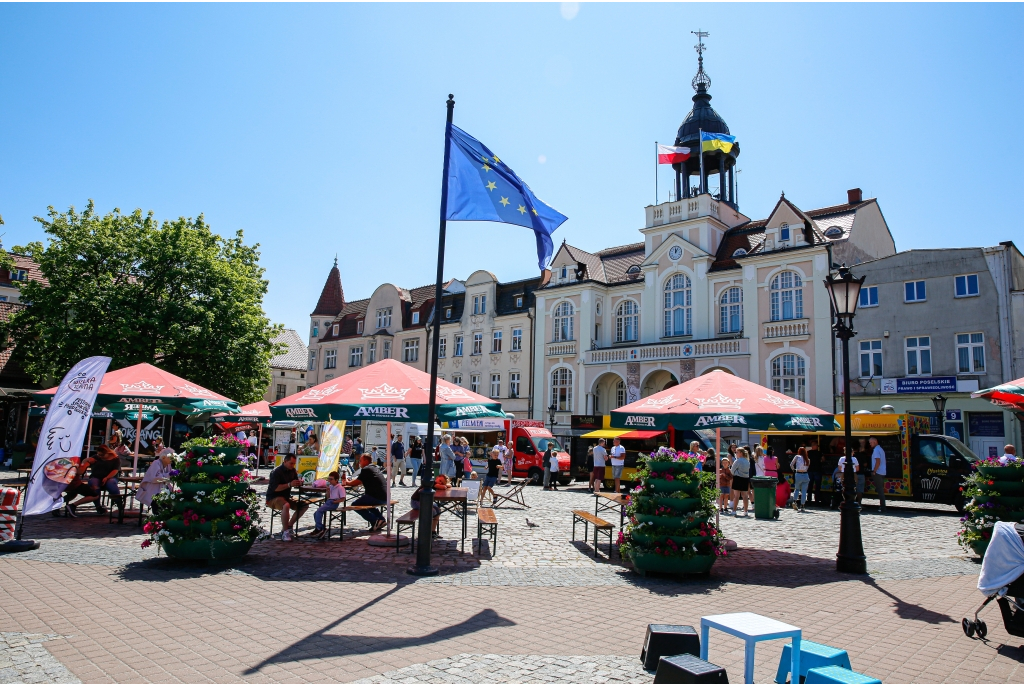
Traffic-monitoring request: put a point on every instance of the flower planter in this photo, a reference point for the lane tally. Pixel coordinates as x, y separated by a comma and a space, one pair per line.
653, 563
214, 470
206, 549
680, 505
203, 509
1002, 472
1004, 487
682, 522
680, 540
979, 547
193, 489
1010, 516
179, 528
668, 486
1014, 503
229, 452
670, 466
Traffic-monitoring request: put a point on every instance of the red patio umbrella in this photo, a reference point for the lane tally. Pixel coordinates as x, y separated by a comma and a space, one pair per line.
257, 412
1008, 395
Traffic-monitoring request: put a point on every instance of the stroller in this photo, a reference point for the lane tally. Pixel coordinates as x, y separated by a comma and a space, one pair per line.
1002, 580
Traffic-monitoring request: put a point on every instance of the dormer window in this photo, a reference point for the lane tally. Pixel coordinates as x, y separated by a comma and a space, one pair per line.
633, 270
415, 317
784, 232
359, 327
335, 331
740, 252
448, 313
834, 232
519, 301
565, 273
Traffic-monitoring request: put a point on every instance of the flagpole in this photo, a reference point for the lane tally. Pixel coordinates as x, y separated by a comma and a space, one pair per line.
700, 151
423, 567
655, 172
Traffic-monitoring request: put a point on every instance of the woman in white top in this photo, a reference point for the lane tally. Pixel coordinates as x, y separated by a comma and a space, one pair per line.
759, 461
156, 476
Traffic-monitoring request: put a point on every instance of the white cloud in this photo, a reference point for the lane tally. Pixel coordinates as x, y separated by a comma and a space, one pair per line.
542, 159
570, 10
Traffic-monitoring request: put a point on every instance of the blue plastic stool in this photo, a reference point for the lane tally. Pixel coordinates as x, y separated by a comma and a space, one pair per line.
838, 674
812, 655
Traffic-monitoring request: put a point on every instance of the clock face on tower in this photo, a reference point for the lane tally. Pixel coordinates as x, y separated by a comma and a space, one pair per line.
675, 253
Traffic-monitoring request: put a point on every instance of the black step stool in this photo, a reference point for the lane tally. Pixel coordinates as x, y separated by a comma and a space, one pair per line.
685, 668
665, 640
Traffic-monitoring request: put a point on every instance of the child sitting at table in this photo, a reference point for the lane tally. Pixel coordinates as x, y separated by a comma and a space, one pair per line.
335, 498
415, 502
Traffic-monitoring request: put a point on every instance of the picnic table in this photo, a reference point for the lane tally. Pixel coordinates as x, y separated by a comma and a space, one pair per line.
450, 500
609, 501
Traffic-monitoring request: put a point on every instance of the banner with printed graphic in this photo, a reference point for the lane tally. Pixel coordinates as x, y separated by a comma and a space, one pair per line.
331, 438
60, 441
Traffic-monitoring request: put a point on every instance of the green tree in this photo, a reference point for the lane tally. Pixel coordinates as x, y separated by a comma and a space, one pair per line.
175, 295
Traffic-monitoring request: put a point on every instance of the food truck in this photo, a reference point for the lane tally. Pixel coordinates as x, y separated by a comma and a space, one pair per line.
920, 466
636, 442
528, 439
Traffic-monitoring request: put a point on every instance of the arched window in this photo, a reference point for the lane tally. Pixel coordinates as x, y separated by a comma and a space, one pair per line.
627, 322
563, 322
731, 311
561, 389
678, 306
789, 376
787, 296
620, 394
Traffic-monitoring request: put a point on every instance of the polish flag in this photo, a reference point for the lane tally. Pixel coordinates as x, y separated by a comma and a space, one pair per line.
672, 155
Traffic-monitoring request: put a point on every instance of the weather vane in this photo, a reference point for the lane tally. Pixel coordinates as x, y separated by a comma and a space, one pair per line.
701, 79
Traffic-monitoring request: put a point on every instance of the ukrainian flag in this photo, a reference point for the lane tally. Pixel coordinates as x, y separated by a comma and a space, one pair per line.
710, 142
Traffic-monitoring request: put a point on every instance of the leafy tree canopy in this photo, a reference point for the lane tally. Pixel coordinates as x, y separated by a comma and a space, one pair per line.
174, 295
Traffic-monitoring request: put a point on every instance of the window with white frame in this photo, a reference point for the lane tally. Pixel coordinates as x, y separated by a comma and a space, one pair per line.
563, 322
458, 345
495, 385
678, 306
970, 353
330, 359
620, 394
495, 342
479, 304
478, 343
919, 356
868, 296
359, 327
415, 317
789, 376
355, 356
730, 313
372, 352
442, 347
519, 301
448, 313
561, 389
513, 384
312, 359
316, 329
787, 296
870, 358
966, 286
386, 353
411, 350
335, 331
383, 318
627, 322
474, 382
914, 291
784, 233
517, 339
19, 275
457, 378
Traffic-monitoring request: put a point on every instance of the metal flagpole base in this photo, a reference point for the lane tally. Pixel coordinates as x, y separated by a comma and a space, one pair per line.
12, 546
422, 571
387, 540
850, 558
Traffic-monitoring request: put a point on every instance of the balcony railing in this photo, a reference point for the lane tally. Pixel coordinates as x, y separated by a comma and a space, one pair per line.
794, 328
561, 349
669, 351
680, 210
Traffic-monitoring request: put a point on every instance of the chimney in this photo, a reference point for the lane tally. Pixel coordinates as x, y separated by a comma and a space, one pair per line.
853, 195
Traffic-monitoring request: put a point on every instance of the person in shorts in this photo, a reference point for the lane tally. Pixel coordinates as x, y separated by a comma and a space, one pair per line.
279, 495
493, 473
741, 481
724, 485
597, 472
618, 455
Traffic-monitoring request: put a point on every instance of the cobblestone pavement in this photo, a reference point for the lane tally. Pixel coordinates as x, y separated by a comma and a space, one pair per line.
23, 659
344, 611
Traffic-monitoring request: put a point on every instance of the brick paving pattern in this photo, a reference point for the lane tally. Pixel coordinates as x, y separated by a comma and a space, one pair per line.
344, 611
23, 659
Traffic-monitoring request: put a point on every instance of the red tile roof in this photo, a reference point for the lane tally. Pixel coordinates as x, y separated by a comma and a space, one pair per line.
332, 298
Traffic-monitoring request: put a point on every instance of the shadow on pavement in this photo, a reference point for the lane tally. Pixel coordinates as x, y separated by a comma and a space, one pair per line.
910, 611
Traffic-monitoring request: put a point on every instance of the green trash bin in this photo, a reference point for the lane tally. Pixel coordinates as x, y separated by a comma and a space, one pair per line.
764, 497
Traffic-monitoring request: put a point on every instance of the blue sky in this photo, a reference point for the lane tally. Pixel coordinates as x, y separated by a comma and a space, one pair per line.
318, 129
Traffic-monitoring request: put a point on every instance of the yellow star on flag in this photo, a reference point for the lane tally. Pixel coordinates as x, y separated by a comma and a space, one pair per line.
504, 201
485, 167
496, 160
535, 212
522, 209
491, 185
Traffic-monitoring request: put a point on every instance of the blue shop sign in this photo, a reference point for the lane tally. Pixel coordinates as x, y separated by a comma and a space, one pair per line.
926, 384
985, 424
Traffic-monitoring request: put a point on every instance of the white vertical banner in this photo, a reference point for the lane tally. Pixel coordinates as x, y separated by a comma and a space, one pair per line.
60, 440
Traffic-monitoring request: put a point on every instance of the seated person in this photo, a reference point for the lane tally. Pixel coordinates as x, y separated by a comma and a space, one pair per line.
415, 502
157, 474
78, 487
374, 491
335, 498
279, 491
105, 468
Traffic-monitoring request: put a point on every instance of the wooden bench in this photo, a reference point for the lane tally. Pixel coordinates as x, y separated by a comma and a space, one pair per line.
342, 513
486, 519
600, 526
513, 495
409, 520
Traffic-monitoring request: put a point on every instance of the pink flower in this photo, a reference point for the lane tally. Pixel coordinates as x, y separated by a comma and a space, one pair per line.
237, 527
146, 543
240, 512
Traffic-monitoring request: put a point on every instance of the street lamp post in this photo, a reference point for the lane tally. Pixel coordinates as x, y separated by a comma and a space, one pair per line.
939, 402
844, 292
551, 417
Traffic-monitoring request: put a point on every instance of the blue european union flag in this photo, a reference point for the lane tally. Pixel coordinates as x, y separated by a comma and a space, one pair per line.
482, 188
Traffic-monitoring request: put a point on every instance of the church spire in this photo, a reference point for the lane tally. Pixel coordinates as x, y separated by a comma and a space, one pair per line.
332, 298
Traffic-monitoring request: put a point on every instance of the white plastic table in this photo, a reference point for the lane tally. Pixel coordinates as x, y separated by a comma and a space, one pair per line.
752, 628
